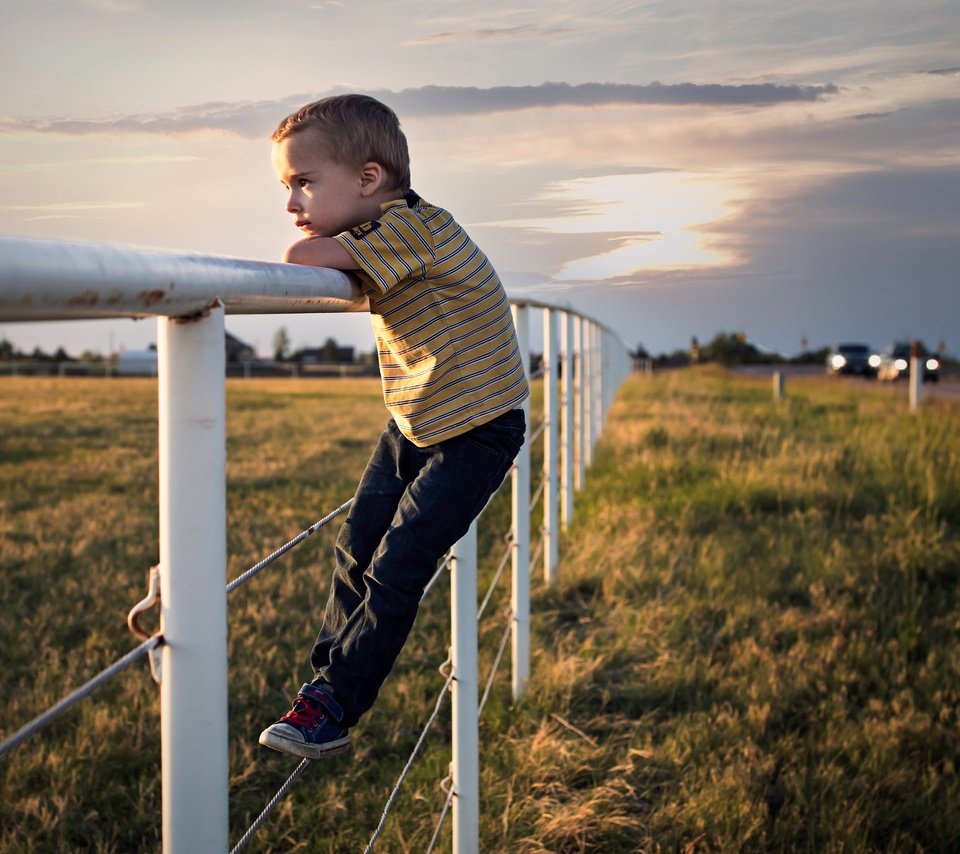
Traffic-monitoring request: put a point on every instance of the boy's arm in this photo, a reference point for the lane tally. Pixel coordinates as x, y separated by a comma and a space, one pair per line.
320, 252
323, 252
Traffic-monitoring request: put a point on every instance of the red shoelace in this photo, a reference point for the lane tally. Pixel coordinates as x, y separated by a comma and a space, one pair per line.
303, 714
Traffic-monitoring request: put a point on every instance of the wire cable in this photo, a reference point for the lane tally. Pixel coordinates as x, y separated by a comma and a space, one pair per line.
537, 554
444, 564
539, 491
316, 526
493, 669
48, 717
443, 814
258, 822
497, 574
406, 768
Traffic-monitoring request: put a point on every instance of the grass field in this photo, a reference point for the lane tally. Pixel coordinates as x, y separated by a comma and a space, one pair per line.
754, 644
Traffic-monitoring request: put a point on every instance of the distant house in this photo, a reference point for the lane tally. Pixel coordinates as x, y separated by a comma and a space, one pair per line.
237, 350
316, 355
137, 363
144, 362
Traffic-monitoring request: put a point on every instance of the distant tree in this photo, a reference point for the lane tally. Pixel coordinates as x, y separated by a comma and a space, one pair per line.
152, 347
7, 350
731, 348
39, 356
281, 344
328, 353
811, 357
677, 358
91, 356
641, 352
61, 355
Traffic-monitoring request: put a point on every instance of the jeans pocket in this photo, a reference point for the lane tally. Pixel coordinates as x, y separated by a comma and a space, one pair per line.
505, 434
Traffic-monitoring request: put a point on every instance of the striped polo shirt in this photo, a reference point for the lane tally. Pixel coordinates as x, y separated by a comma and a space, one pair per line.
448, 352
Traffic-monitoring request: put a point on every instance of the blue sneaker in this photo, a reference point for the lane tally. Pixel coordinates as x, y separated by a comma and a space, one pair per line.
311, 728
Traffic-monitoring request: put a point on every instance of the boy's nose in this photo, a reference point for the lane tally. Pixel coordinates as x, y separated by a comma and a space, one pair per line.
293, 205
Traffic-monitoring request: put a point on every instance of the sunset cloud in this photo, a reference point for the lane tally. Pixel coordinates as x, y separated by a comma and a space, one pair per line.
492, 34
257, 119
792, 172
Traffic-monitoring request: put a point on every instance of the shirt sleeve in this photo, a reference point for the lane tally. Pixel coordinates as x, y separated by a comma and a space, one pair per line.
395, 248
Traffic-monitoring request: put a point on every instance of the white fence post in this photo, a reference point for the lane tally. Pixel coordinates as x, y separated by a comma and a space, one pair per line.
779, 385
580, 410
193, 562
463, 655
551, 446
520, 486
916, 382
588, 397
567, 400
596, 389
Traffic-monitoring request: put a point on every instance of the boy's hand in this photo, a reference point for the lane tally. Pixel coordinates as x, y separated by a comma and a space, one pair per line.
320, 252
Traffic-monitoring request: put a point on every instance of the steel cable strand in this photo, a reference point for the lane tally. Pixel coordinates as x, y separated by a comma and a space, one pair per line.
539, 491
413, 755
316, 526
48, 717
537, 553
258, 822
496, 575
496, 665
444, 564
443, 814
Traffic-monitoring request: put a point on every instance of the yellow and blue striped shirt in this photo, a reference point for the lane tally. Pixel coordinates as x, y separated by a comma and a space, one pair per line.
448, 352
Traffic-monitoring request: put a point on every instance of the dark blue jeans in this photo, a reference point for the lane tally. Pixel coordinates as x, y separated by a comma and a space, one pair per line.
411, 506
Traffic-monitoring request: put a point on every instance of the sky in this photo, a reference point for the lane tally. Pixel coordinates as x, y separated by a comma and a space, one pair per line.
675, 168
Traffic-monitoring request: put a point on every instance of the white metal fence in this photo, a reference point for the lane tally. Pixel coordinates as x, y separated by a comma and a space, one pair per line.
583, 364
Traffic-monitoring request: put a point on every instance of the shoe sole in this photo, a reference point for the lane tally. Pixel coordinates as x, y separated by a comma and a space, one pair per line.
302, 749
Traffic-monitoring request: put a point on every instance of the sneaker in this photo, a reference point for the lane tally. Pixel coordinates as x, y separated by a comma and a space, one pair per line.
311, 728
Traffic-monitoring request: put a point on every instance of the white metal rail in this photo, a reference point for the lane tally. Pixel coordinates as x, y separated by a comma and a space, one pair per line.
45, 280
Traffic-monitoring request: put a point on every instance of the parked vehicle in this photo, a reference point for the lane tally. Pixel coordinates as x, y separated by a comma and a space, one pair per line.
895, 363
850, 359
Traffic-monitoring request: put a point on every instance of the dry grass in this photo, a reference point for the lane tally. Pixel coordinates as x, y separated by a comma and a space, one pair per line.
754, 644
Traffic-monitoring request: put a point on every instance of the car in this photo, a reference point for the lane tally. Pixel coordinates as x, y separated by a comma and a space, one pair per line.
850, 359
895, 362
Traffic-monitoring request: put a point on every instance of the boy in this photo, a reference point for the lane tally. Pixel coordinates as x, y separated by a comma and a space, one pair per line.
453, 378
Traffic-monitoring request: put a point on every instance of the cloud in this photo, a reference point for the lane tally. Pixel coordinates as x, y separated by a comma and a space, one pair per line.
492, 34
257, 118
134, 160
863, 116
112, 6
662, 213
71, 210
944, 72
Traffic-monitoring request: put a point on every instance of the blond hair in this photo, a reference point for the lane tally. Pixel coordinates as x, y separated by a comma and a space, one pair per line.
353, 130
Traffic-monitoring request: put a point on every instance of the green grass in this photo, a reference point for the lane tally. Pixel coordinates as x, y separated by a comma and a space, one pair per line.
754, 644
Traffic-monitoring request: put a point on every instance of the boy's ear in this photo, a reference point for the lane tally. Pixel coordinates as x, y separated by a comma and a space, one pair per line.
372, 178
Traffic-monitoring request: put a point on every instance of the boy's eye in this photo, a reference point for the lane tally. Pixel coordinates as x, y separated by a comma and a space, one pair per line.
302, 182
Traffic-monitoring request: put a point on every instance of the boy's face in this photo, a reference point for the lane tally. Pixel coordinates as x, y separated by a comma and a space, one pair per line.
325, 197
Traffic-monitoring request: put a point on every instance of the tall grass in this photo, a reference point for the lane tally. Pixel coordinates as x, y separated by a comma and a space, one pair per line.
754, 643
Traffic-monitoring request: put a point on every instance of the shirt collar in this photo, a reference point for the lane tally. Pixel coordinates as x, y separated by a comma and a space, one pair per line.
409, 200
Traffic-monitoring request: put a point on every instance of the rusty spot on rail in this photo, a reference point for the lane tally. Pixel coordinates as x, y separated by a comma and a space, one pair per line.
151, 297
84, 298
199, 315
115, 297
